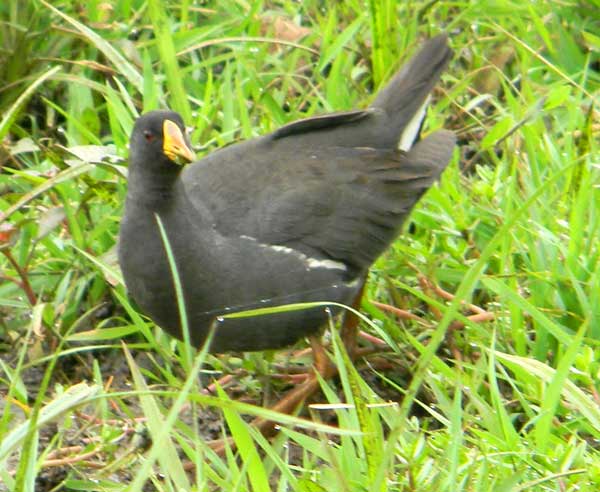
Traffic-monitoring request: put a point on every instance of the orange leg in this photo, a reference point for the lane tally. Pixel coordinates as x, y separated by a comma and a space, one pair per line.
322, 365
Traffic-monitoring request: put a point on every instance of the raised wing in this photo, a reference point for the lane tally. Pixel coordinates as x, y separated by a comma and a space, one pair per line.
338, 201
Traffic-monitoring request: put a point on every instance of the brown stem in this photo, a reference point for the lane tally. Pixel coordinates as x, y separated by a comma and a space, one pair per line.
401, 313
70, 460
25, 285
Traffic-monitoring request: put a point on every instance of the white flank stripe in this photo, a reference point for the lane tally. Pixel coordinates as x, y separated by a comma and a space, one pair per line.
328, 264
311, 263
283, 249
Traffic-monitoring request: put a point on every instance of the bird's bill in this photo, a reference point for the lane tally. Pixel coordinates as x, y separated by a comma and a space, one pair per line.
174, 145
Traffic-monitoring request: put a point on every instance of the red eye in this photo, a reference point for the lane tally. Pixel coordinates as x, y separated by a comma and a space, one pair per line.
149, 136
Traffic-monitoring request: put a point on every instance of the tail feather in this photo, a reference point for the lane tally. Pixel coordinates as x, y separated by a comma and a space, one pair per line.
432, 154
404, 95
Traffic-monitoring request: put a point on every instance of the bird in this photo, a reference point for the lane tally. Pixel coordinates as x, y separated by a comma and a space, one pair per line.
294, 216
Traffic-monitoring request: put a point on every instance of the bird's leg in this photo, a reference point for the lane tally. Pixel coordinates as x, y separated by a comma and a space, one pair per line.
291, 400
322, 366
349, 330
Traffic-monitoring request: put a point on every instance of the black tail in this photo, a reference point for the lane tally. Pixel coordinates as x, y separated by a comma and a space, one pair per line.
404, 95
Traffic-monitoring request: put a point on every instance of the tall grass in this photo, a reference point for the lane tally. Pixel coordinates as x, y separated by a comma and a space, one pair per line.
502, 395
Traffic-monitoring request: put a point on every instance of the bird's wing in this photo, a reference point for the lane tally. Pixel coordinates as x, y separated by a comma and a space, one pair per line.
337, 202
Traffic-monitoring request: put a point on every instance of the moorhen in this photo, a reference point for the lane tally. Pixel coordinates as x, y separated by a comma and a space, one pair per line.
295, 216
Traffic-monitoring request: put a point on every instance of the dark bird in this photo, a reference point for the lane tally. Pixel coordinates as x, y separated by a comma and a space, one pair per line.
298, 215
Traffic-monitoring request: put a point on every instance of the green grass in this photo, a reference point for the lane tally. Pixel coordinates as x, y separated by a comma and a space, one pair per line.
506, 404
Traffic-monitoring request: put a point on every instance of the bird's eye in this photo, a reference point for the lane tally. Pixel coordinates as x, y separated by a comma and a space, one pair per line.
149, 136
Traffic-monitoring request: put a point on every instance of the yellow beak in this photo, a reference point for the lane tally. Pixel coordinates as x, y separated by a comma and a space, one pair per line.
174, 145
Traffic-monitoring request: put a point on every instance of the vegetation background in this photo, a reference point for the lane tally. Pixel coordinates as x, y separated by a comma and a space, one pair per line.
490, 385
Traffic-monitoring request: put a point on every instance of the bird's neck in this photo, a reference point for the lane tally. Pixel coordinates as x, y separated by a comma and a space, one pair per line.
152, 192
